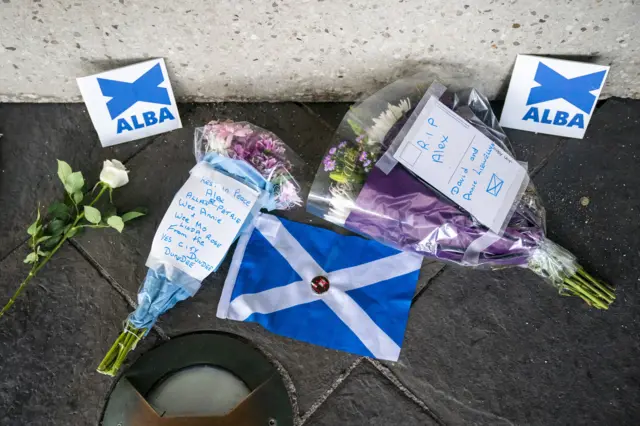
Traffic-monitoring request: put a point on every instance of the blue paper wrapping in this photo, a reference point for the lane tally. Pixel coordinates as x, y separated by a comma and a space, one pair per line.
160, 291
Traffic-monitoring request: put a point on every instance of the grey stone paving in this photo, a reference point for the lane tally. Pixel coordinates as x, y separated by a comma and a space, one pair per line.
481, 347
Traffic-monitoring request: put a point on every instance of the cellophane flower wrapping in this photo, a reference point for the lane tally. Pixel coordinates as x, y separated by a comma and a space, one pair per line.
256, 158
261, 149
356, 188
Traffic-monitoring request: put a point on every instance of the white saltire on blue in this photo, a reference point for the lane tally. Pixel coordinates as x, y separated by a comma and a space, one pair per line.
300, 292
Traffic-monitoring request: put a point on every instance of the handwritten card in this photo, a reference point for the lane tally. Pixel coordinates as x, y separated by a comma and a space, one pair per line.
202, 222
463, 164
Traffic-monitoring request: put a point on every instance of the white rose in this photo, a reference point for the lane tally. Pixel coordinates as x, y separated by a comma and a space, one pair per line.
114, 174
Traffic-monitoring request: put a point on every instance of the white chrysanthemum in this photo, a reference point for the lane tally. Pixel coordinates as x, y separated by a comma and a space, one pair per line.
385, 121
340, 204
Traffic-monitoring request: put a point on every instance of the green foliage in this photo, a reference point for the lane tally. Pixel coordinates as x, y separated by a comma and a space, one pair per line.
92, 214
55, 227
131, 215
42, 239
51, 242
357, 129
35, 227
63, 221
77, 197
116, 222
74, 182
60, 211
64, 170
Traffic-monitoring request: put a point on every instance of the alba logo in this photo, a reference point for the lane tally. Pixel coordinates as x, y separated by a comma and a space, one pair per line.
130, 103
576, 91
145, 89
552, 96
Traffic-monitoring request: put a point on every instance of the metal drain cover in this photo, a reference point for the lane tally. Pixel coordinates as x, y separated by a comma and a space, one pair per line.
200, 379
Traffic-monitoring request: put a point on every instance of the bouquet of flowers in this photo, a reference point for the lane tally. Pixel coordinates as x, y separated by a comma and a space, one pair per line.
390, 204
261, 149
246, 157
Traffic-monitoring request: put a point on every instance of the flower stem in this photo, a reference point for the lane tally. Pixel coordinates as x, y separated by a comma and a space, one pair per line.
594, 292
124, 344
11, 301
36, 268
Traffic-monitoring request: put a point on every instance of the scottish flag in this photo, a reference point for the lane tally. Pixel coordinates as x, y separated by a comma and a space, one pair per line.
314, 285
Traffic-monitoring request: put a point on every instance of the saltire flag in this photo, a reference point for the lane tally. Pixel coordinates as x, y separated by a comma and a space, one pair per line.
314, 285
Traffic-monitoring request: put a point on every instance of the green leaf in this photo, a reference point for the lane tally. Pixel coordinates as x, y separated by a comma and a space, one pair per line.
74, 182
77, 197
92, 214
43, 239
42, 253
64, 170
51, 242
357, 129
72, 233
55, 227
59, 210
31, 258
33, 229
131, 215
116, 223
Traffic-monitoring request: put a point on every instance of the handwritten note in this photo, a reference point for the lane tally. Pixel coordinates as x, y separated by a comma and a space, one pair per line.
202, 221
463, 164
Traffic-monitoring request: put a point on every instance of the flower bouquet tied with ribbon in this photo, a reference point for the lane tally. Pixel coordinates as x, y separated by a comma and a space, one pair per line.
429, 170
241, 169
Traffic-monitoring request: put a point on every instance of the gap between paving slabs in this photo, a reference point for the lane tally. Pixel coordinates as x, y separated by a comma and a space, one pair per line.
50, 340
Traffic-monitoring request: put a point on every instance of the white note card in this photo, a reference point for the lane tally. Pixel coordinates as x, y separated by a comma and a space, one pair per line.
202, 222
463, 164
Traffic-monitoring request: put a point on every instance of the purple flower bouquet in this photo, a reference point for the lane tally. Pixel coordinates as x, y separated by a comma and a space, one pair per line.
399, 209
263, 150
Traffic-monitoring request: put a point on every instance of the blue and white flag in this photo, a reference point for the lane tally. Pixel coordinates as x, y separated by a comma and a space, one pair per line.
315, 285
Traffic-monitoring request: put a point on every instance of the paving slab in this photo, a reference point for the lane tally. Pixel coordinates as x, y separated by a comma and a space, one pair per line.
368, 398
53, 339
501, 347
34, 136
601, 170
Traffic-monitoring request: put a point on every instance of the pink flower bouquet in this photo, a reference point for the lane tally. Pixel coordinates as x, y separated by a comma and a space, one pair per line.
263, 150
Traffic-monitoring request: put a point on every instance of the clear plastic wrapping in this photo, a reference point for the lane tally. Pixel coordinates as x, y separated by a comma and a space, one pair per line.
261, 149
387, 202
361, 187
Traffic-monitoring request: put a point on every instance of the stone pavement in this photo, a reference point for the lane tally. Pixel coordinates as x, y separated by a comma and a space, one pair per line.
482, 347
